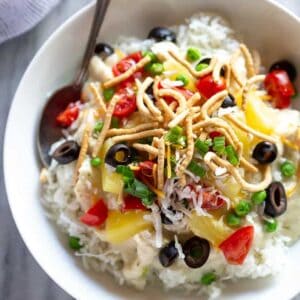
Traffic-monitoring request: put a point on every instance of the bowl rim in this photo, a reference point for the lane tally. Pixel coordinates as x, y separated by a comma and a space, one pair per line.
7, 185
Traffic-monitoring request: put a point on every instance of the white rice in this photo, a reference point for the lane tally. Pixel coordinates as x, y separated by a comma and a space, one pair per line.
135, 262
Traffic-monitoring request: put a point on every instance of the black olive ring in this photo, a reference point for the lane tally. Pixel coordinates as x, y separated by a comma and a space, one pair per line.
276, 201
66, 152
196, 251
111, 155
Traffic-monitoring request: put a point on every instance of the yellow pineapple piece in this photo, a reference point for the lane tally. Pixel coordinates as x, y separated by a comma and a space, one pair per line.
258, 115
112, 182
209, 228
175, 69
122, 226
243, 136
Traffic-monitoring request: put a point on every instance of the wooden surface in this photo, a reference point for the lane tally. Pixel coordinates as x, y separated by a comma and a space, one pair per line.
20, 276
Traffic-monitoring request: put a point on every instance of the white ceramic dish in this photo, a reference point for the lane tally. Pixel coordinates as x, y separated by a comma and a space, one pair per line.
263, 24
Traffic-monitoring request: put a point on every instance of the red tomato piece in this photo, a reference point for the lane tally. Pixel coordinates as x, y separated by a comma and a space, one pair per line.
126, 63
214, 134
136, 56
131, 202
212, 201
130, 82
186, 93
236, 247
126, 105
146, 168
208, 87
68, 116
279, 86
96, 215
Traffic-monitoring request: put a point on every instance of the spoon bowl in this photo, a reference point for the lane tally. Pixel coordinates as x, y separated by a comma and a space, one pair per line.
49, 132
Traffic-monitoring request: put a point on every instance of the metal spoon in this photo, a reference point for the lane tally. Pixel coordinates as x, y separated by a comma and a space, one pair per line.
49, 132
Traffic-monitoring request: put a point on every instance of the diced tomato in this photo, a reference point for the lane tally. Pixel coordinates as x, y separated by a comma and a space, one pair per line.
68, 116
146, 168
125, 106
131, 202
130, 82
212, 201
279, 86
214, 134
136, 56
145, 172
236, 247
96, 215
126, 63
127, 103
186, 93
208, 87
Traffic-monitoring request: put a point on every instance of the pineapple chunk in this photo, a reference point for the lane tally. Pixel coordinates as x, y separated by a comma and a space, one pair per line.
176, 69
112, 182
230, 189
215, 231
243, 136
258, 115
122, 226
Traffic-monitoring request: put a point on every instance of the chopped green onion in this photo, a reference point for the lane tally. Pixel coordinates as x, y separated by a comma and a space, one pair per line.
201, 67
208, 278
233, 220
219, 145
135, 187
232, 155
152, 56
114, 122
183, 79
243, 208
288, 169
259, 197
270, 225
193, 54
96, 162
108, 94
155, 68
126, 172
203, 146
196, 169
74, 243
98, 127
174, 136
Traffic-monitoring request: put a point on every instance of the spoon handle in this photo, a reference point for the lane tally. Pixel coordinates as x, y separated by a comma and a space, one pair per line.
100, 11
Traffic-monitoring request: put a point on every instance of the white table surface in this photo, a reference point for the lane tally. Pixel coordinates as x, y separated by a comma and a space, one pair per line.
20, 276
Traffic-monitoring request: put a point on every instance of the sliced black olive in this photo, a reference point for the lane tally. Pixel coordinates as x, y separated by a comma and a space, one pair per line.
205, 61
229, 101
265, 152
286, 66
168, 254
119, 154
162, 34
196, 251
149, 92
165, 220
104, 50
276, 201
66, 152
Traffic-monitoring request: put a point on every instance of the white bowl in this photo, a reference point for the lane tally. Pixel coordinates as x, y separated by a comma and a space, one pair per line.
263, 24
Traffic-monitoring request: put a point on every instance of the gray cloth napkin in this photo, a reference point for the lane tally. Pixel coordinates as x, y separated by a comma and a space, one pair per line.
18, 16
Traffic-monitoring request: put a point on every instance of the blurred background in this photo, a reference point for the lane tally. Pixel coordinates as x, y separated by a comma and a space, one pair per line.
20, 277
